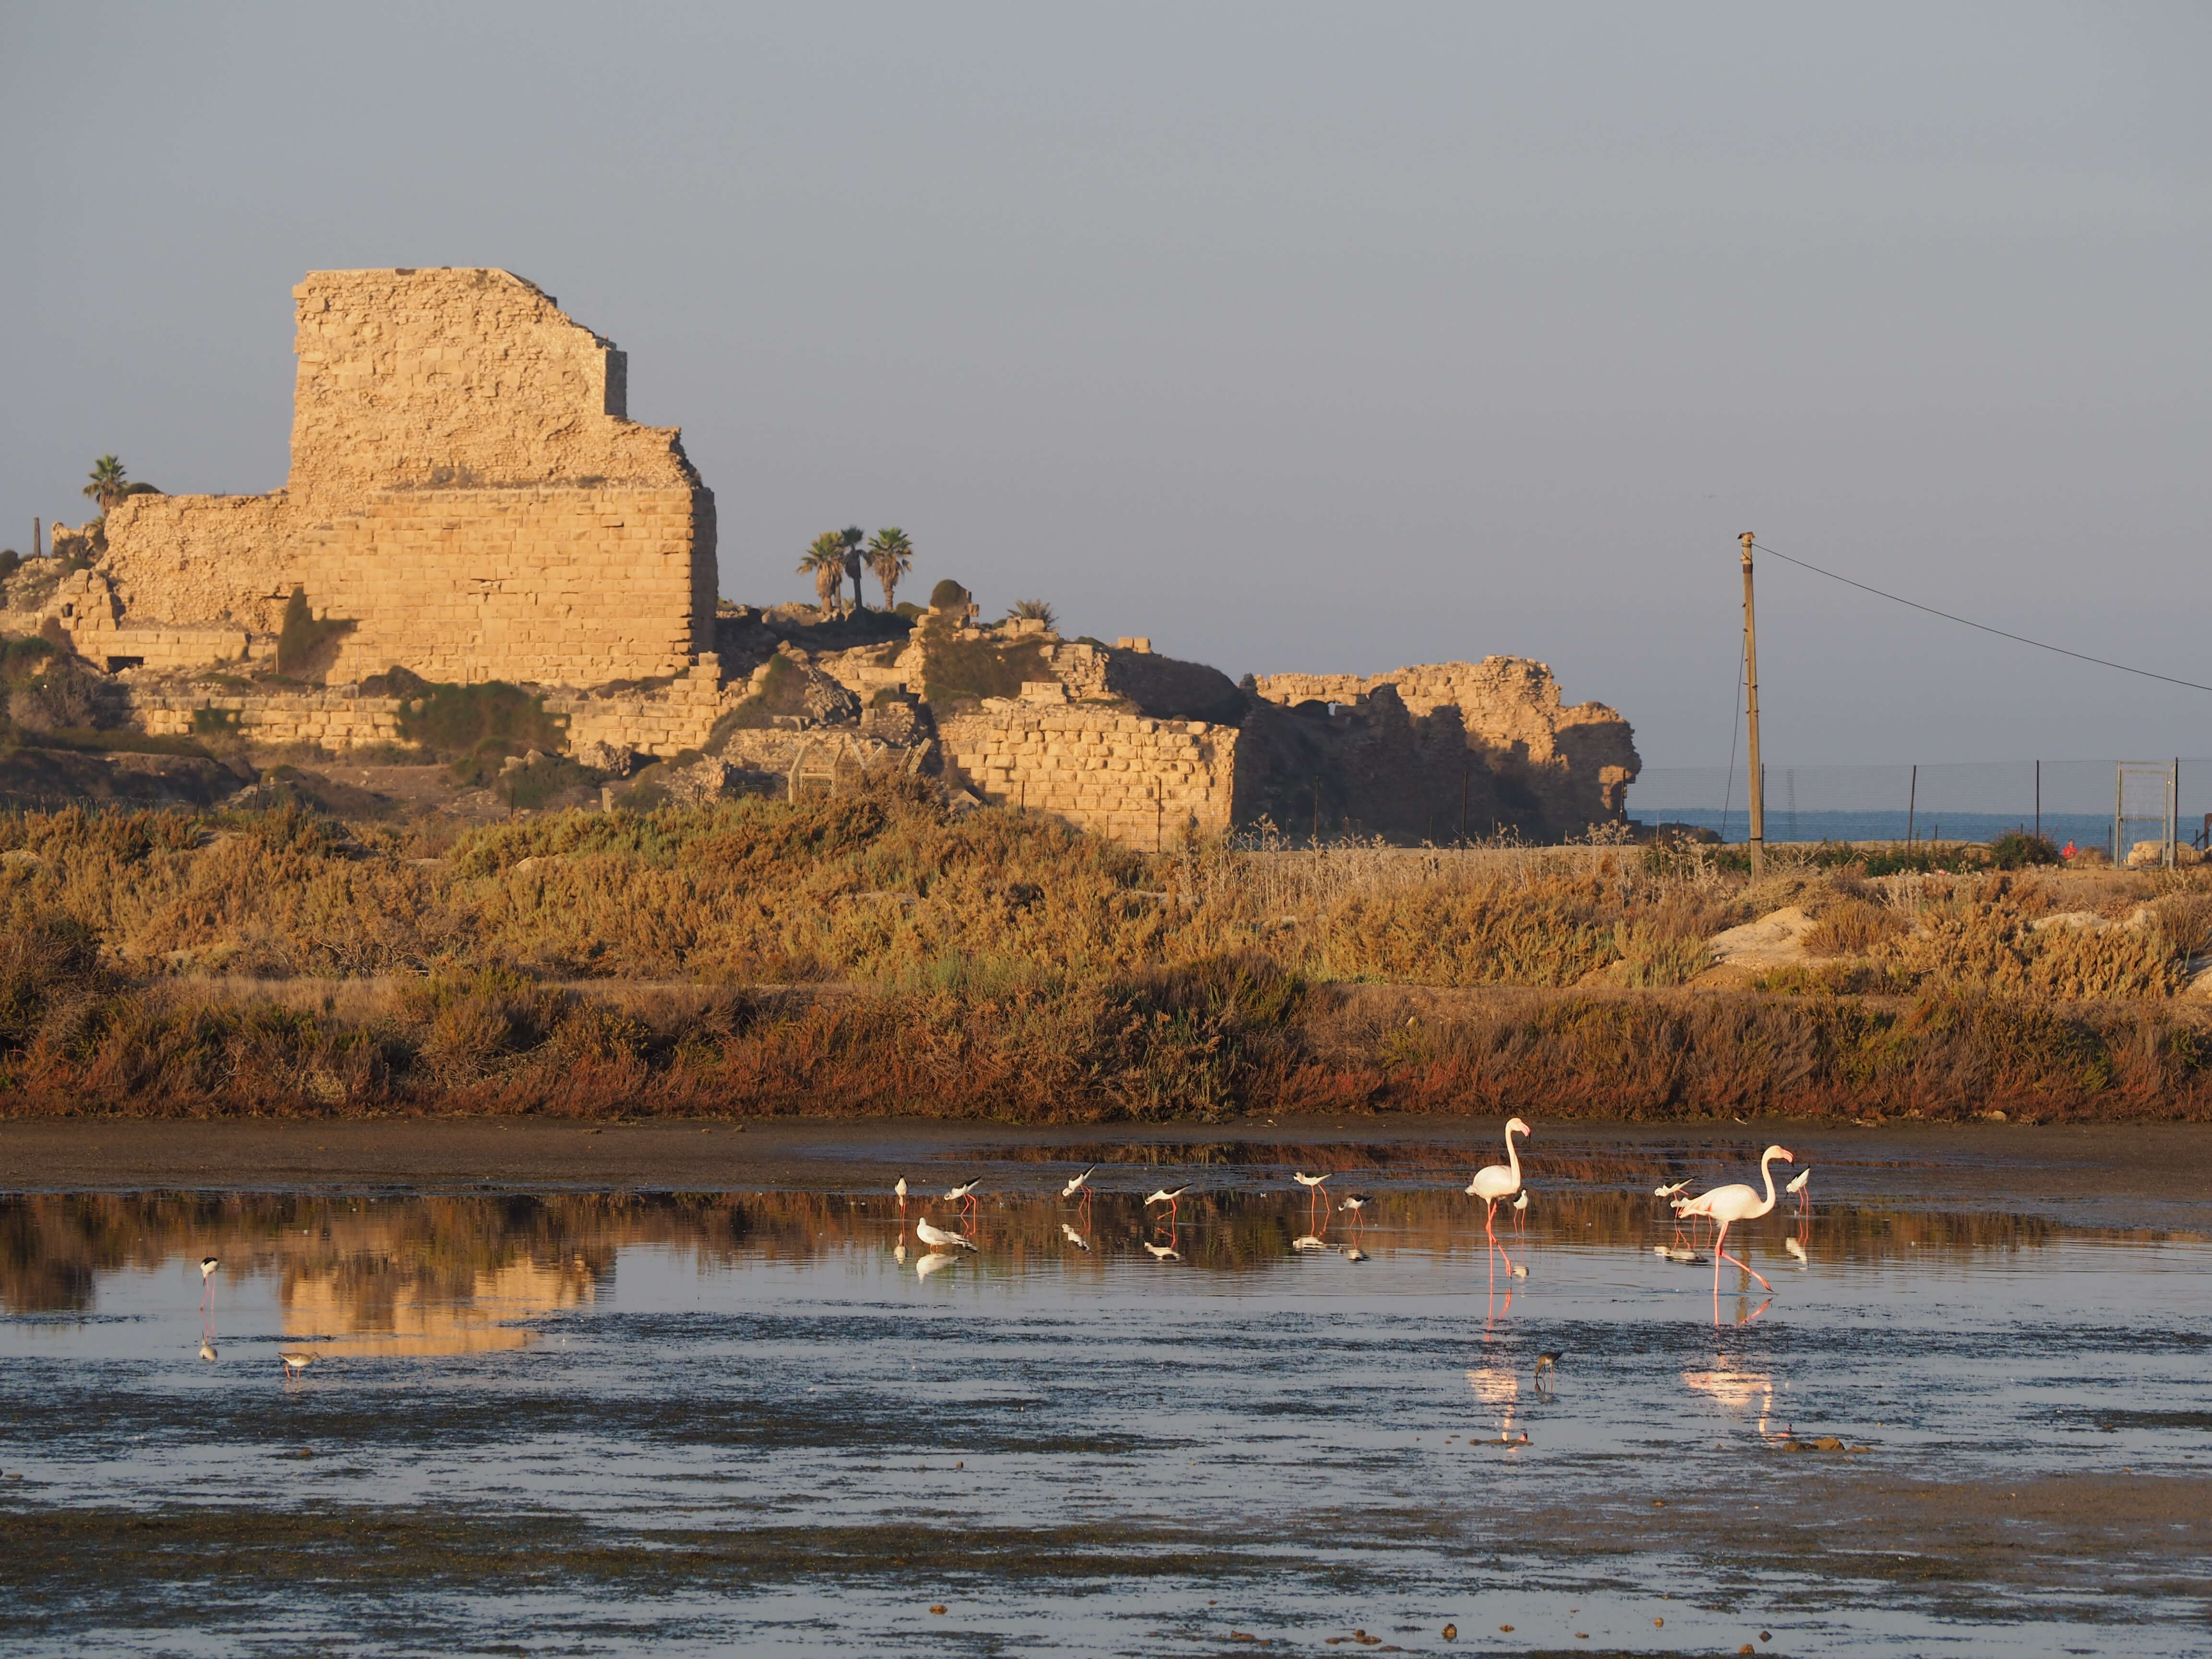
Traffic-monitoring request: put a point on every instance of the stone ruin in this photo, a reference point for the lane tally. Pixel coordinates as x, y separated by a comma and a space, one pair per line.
469, 500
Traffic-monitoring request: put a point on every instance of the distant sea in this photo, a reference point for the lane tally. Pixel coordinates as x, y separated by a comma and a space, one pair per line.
2084, 828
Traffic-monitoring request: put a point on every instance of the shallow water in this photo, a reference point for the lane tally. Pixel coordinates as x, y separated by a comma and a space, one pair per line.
597, 1423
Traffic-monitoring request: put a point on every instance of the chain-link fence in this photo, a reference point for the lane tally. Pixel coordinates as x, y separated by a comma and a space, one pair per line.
2066, 800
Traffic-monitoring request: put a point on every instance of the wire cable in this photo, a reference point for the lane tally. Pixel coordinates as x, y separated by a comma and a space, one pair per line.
2079, 656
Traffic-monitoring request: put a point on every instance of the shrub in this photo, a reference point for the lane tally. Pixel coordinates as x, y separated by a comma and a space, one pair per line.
477, 723
946, 594
1852, 927
2014, 850
64, 698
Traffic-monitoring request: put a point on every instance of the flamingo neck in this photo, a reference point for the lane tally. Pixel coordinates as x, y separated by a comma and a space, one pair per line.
1766, 1168
1513, 1158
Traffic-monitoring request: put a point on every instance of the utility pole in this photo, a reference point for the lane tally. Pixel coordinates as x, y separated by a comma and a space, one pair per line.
1751, 682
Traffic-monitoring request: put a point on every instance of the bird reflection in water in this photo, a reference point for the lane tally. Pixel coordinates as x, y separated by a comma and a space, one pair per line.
1163, 1252
935, 1261
1498, 1388
1074, 1237
1737, 1392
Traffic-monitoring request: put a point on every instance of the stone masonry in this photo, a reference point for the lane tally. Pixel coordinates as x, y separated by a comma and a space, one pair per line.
466, 491
1576, 762
1143, 782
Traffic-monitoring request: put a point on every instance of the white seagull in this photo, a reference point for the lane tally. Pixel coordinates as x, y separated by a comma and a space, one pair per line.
936, 1237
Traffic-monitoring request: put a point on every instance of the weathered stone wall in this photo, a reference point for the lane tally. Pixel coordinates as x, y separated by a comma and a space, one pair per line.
661, 721
466, 488
1143, 782
336, 719
1575, 762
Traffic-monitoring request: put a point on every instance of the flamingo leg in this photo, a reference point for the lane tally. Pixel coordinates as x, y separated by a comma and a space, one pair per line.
1721, 1255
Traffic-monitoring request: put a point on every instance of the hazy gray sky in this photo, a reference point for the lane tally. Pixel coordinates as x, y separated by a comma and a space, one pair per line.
1296, 336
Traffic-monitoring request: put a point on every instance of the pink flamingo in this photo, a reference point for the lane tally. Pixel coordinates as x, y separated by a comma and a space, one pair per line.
1499, 1181
1724, 1206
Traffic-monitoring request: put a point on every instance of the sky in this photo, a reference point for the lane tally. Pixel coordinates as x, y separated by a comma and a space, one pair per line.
1296, 337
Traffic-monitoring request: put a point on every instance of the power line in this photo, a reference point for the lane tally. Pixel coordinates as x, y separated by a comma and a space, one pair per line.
2079, 656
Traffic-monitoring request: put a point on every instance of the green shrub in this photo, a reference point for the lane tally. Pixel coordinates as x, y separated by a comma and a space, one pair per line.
2014, 850
215, 722
475, 723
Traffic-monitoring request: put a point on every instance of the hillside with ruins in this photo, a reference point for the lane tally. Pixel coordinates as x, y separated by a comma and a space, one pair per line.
479, 560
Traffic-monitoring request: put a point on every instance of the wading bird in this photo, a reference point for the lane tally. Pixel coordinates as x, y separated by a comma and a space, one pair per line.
1172, 1199
964, 1194
901, 1190
1547, 1365
1307, 1181
1080, 1184
936, 1237
296, 1360
208, 1265
1800, 1186
1499, 1181
1357, 1203
1725, 1206
1520, 1212
1670, 1189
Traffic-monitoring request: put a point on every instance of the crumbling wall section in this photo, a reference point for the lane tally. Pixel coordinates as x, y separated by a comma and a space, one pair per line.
1144, 783
466, 489
1575, 764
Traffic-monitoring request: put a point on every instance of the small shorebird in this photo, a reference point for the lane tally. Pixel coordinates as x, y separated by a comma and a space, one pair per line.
1671, 1188
1804, 1197
964, 1194
1547, 1363
901, 1190
1172, 1198
1307, 1181
296, 1360
1356, 1203
936, 1237
1080, 1184
1520, 1210
208, 1265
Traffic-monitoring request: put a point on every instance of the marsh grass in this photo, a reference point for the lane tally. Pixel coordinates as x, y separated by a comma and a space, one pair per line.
881, 953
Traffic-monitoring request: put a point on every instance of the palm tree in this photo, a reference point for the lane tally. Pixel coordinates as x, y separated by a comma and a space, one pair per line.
852, 536
826, 560
1035, 609
891, 555
108, 485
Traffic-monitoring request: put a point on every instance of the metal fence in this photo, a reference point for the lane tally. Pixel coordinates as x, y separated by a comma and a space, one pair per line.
2108, 804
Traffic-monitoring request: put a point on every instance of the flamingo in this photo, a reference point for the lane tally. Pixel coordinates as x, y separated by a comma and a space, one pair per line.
1172, 1199
208, 1265
936, 1237
1725, 1206
1804, 1197
1499, 1181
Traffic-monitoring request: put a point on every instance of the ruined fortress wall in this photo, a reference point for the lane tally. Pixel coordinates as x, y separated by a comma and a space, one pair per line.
335, 719
1576, 762
466, 488
1142, 782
